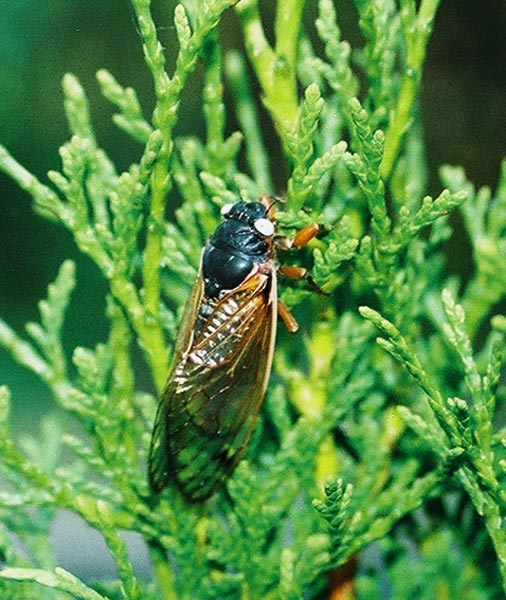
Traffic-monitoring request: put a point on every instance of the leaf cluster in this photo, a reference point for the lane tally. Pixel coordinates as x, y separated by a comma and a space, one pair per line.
370, 450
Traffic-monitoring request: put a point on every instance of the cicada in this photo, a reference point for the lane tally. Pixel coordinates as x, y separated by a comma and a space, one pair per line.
223, 354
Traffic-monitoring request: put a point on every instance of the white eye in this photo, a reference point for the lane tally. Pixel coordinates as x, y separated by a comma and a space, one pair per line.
265, 227
226, 208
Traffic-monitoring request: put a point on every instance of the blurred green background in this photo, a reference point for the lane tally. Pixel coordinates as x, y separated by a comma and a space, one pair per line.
463, 104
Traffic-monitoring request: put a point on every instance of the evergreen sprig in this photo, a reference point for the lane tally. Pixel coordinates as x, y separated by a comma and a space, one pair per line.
352, 441
466, 425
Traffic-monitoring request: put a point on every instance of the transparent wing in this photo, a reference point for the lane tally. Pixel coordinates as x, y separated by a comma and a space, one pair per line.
216, 387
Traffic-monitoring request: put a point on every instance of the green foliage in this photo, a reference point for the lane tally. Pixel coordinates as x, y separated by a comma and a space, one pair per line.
381, 459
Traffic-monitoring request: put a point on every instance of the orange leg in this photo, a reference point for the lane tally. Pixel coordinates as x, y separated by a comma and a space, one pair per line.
302, 237
305, 235
300, 273
288, 318
293, 272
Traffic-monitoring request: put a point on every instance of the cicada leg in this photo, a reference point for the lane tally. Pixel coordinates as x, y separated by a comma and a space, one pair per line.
305, 235
301, 239
269, 201
294, 272
287, 317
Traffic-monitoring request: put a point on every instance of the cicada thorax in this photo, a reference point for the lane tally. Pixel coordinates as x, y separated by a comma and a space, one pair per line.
240, 244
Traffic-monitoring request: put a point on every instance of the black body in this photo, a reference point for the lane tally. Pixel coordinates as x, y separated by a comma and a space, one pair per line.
234, 248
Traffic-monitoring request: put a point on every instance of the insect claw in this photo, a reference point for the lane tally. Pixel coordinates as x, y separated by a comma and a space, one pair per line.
295, 272
315, 287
